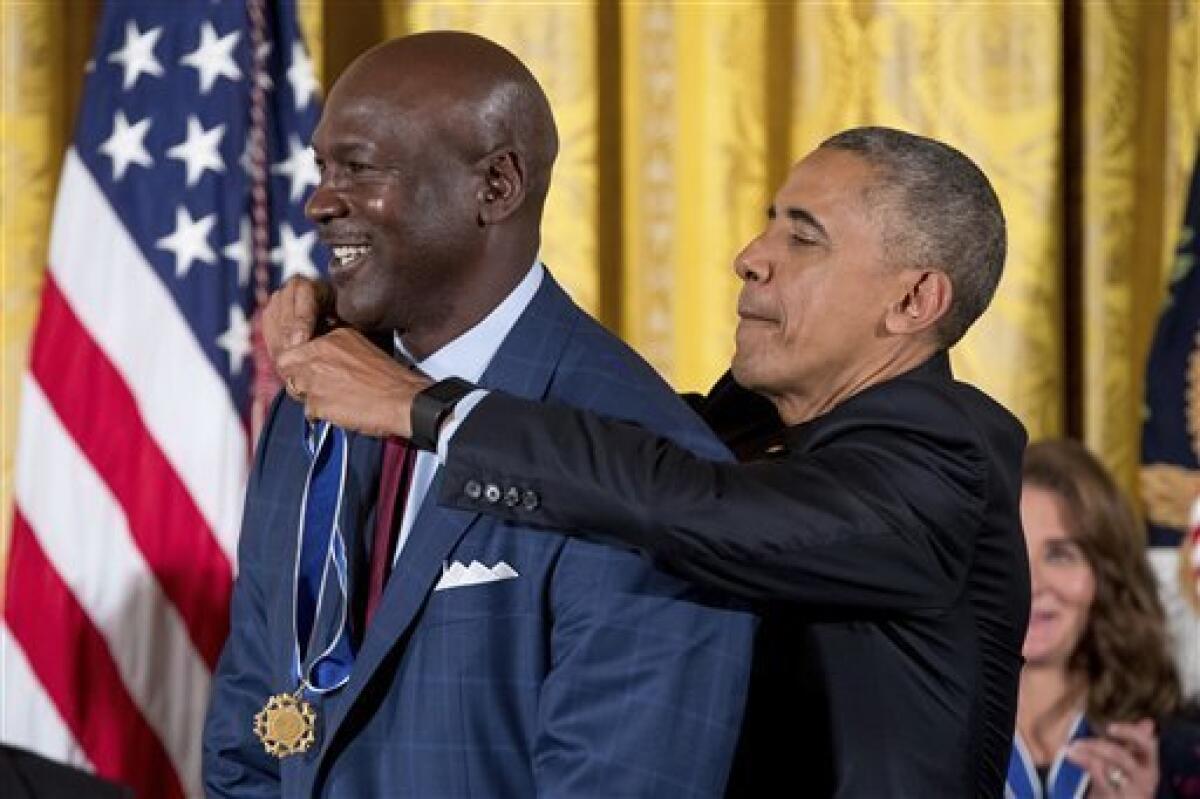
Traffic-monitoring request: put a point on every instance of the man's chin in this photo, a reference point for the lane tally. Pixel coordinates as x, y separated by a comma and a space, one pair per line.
743, 372
752, 375
347, 310
364, 319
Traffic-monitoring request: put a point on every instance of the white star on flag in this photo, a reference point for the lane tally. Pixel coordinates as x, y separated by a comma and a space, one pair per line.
199, 151
239, 252
293, 253
300, 168
236, 339
300, 74
189, 241
213, 57
125, 144
137, 56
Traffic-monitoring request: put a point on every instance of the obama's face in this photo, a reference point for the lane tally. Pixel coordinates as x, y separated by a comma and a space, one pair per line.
816, 283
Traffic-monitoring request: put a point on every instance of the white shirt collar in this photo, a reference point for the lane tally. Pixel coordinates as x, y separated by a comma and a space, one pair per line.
468, 355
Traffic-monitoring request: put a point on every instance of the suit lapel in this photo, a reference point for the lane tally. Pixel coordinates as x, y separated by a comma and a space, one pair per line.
523, 366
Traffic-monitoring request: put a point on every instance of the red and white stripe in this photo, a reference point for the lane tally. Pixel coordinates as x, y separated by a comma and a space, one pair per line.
130, 472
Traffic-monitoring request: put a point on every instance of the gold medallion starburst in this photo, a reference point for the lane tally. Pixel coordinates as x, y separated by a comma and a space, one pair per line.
286, 725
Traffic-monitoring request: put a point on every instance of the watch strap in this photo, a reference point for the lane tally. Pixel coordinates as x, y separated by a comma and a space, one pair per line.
431, 406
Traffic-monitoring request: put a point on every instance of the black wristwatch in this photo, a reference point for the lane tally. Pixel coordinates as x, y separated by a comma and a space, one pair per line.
431, 406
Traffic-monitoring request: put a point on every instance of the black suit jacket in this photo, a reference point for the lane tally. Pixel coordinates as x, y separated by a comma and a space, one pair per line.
882, 541
25, 775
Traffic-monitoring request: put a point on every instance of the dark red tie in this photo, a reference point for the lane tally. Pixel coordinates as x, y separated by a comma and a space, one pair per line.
394, 480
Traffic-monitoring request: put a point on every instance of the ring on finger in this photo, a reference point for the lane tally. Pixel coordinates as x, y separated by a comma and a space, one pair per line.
1115, 778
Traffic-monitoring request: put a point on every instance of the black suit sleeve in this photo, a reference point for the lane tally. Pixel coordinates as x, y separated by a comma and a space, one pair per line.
880, 514
25, 775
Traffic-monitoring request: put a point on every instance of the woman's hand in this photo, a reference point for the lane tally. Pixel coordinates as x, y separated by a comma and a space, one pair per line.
1122, 764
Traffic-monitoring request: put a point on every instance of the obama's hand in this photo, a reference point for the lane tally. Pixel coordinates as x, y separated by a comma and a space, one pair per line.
343, 378
294, 313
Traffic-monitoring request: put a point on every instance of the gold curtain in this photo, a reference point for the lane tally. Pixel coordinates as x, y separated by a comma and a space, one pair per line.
679, 119
43, 47
693, 148
987, 78
1139, 119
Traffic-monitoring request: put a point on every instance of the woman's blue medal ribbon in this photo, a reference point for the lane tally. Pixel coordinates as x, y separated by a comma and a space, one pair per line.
322, 650
1066, 779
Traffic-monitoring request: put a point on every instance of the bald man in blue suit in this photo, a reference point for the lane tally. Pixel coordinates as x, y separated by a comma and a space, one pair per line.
496, 663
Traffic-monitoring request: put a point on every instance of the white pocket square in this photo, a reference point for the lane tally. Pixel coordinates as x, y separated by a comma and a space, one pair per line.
456, 575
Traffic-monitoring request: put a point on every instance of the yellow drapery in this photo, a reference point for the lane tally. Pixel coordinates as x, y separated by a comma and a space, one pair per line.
678, 120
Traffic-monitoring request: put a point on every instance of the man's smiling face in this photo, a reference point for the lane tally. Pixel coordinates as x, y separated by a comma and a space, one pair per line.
395, 204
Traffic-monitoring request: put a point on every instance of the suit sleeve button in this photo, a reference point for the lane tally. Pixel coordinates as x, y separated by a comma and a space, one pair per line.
492, 493
512, 497
473, 489
530, 500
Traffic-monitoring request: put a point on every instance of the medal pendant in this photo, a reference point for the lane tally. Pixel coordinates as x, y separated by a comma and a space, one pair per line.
285, 725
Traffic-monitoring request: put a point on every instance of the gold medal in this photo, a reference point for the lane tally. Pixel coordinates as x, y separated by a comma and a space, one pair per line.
285, 725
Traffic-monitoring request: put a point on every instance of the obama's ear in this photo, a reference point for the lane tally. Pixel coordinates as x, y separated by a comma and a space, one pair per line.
926, 300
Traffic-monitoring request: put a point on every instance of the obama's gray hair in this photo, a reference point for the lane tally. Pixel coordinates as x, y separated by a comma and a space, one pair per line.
938, 211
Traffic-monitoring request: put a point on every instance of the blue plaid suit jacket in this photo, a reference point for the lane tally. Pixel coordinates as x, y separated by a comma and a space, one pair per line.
591, 674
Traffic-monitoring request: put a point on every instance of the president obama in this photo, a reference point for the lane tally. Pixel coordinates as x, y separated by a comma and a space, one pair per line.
873, 519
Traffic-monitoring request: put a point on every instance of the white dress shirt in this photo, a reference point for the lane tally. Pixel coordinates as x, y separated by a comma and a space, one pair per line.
466, 357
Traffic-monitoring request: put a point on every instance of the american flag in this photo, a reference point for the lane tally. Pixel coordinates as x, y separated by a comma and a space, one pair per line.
134, 425
1170, 479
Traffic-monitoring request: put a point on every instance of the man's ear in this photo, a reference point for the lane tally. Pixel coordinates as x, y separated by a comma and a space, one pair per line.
926, 301
502, 186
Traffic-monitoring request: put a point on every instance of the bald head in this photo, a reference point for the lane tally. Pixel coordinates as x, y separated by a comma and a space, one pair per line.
477, 95
435, 153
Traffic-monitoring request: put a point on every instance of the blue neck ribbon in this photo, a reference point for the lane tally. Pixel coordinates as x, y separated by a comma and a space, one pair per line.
1066, 780
322, 652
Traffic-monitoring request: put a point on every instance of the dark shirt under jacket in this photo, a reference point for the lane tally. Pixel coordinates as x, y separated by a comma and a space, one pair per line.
882, 540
